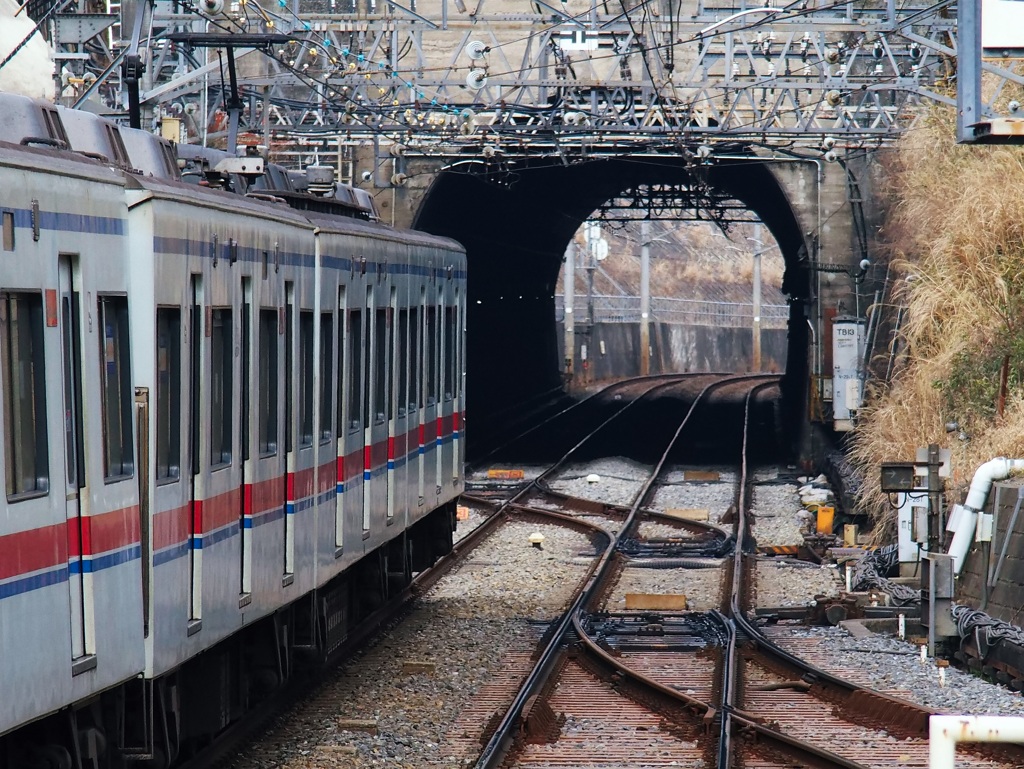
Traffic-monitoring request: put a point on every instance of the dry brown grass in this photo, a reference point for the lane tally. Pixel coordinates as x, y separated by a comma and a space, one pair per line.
684, 253
957, 238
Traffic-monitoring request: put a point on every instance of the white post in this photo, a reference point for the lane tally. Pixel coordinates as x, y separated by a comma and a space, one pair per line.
569, 297
944, 732
645, 297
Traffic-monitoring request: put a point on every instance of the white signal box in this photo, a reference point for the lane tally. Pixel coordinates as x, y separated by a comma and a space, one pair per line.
847, 370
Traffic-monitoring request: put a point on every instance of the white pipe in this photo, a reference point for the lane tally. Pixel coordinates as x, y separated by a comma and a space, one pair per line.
994, 470
944, 732
963, 532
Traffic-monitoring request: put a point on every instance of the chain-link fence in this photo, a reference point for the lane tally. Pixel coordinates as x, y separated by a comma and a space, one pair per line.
690, 312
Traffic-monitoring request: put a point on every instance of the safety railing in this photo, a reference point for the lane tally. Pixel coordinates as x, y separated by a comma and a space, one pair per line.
690, 312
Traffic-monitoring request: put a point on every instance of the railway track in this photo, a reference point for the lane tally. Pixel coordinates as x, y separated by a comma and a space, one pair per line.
320, 699
674, 688
587, 684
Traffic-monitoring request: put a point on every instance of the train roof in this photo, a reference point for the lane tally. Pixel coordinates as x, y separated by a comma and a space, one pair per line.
45, 160
347, 226
339, 225
37, 123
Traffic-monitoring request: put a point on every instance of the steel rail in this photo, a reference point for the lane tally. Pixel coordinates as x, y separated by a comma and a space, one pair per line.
908, 715
495, 750
298, 688
729, 717
592, 397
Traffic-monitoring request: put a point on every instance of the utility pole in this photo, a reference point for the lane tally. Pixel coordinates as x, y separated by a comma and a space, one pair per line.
569, 297
645, 297
756, 325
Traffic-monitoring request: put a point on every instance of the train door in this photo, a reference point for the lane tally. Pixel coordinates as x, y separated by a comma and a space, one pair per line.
325, 445
367, 387
354, 460
399, 448
245, 408
446, 427
380, 408
391, 355
71, 348
422, 315
195, 412
289, 428
435, 321
456, 373
341, 426
412, 472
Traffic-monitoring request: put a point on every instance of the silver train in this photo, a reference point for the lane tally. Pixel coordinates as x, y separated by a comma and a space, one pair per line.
232, 419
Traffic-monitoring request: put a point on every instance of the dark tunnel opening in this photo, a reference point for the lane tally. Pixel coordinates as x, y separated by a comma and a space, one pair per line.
515, 222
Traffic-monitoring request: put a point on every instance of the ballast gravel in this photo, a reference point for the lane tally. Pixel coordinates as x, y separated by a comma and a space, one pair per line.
655, 530
398, 704
476, 517
715, 497
702, 587
890, 665
777, 514
781, 582
480, 474
619, 480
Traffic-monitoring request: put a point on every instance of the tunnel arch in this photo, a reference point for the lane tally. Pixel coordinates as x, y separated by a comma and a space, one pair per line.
516, 220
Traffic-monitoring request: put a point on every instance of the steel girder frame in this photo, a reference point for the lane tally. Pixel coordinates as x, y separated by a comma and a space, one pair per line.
644, 79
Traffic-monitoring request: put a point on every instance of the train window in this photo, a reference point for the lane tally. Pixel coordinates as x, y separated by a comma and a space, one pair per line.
355, 366
25, 439
170, 161
430, 364
8, 230
415, 369
403, 361
305, 378
221, 387
168, 394
326, 366
55, 127
268, 382
381, 401
116, 384
449, 353
117, 143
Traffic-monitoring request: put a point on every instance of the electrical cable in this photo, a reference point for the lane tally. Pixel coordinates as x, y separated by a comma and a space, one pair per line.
871, 572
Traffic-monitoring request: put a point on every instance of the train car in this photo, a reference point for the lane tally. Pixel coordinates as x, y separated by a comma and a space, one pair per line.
232, 429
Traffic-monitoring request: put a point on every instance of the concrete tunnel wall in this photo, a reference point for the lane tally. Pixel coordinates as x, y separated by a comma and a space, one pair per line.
515, 223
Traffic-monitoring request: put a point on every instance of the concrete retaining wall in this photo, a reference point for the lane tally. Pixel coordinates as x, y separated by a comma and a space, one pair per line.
674, 348
1006, 598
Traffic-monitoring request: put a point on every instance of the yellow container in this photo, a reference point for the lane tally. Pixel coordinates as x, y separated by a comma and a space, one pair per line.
825, 516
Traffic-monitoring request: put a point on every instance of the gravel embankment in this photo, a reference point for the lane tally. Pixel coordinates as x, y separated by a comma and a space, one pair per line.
403, 702
894, 666
782, 582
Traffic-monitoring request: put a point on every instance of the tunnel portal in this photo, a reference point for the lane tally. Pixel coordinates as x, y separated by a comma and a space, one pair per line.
516, 220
